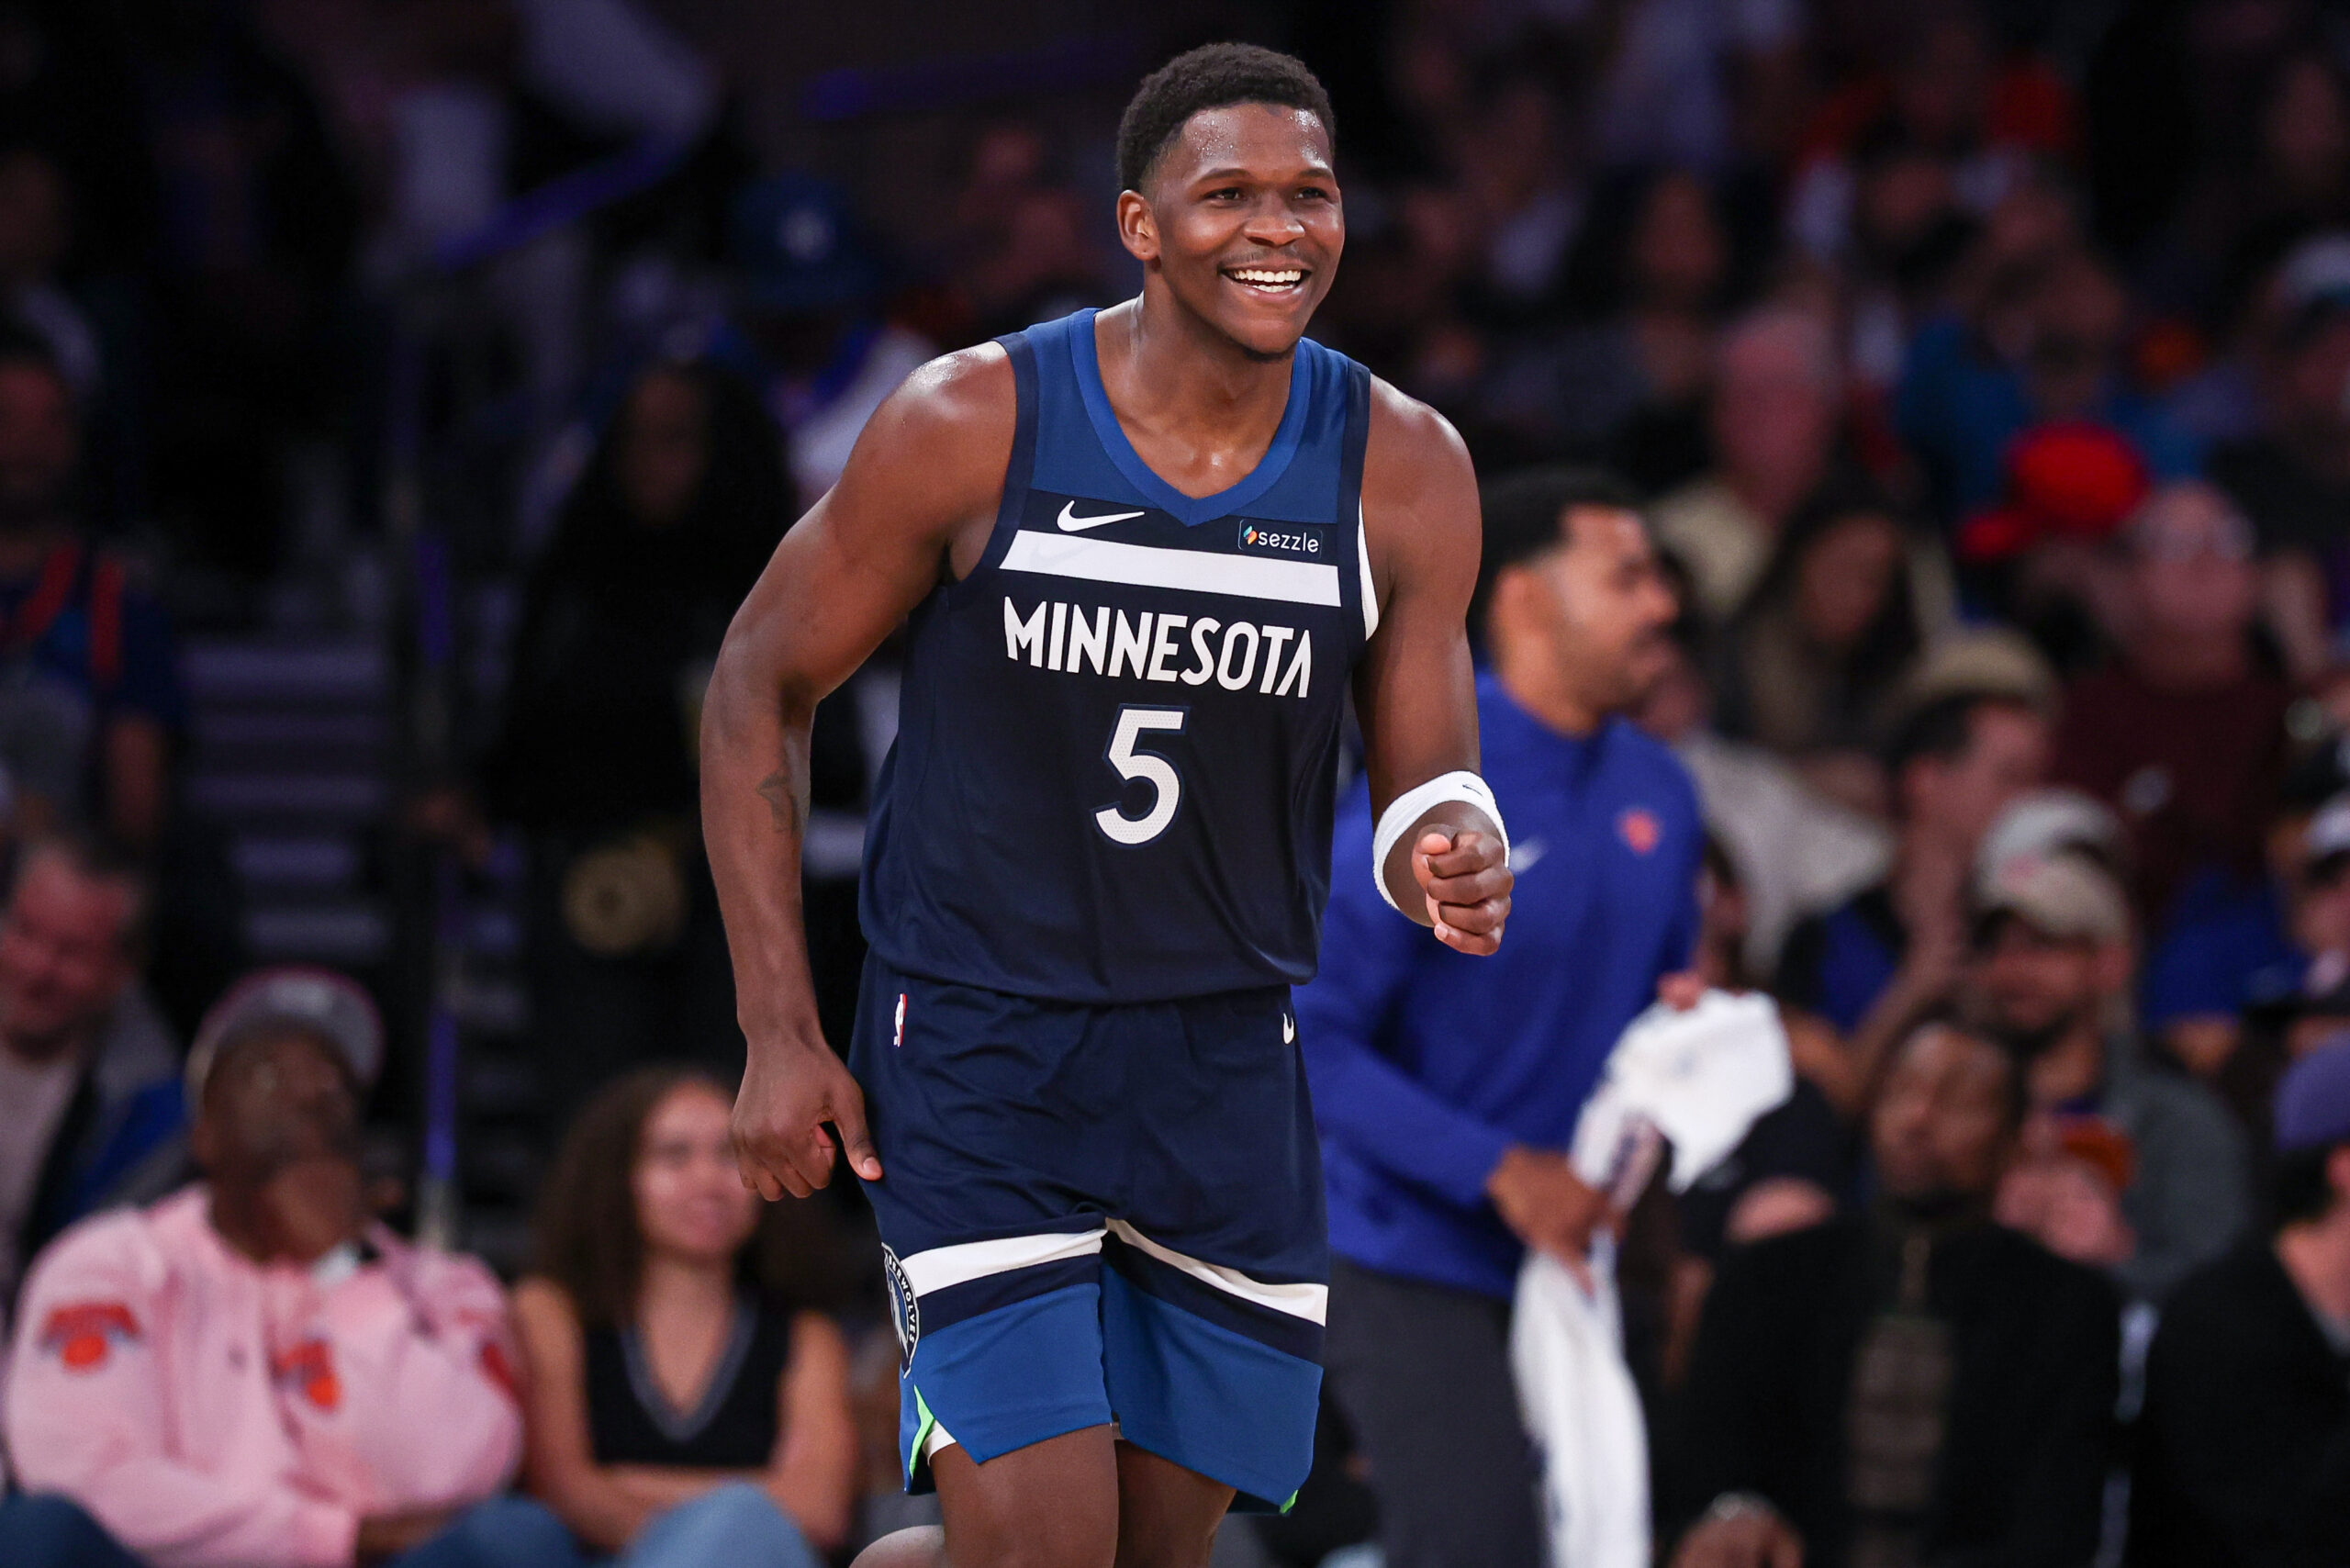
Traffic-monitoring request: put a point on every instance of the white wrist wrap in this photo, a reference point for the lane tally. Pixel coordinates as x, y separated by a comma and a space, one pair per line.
1414, 803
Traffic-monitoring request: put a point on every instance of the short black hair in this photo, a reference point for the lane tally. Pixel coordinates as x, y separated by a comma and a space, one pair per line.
2300, 1188
1526, 515
1943, 729
1213, 76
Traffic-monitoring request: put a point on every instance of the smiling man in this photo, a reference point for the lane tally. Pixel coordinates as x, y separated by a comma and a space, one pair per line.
1146, 553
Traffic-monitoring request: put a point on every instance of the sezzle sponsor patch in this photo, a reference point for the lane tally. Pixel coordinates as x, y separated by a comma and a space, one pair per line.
1291, 541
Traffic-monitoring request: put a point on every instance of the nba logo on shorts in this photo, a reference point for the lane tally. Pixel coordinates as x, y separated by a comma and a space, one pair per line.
905, 1312
898, 1031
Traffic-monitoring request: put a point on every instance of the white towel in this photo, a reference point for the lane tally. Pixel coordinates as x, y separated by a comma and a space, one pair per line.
1700, 1078
1582, 1413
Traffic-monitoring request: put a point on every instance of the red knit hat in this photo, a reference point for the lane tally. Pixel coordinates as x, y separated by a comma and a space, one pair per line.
2068, 480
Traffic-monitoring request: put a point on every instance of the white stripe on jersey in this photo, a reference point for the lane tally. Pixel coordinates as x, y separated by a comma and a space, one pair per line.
1369, 590
1196, 571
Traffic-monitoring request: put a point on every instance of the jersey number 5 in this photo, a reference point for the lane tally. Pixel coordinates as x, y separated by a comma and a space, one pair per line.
1166, 784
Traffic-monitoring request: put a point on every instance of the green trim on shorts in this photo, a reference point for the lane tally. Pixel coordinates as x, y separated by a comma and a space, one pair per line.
921, 1435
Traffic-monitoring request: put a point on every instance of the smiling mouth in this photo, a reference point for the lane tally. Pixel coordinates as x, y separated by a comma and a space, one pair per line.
1271, 281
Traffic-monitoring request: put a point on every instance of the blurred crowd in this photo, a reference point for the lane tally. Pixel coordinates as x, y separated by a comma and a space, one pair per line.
1982, 366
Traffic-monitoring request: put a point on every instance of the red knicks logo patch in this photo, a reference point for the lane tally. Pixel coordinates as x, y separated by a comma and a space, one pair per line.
1639, 829
308, 1370
81, 1334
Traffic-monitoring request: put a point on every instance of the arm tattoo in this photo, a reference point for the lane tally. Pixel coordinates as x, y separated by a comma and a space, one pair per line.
786, 790
786, 799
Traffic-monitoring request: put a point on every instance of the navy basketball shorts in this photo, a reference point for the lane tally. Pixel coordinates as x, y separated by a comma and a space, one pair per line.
1099, 1216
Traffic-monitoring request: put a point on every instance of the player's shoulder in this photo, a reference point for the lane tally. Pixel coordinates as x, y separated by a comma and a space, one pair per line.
944, 434
1419, 489
972, 384
1408, 434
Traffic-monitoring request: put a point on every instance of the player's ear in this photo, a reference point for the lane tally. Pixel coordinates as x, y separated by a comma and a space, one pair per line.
1138, 226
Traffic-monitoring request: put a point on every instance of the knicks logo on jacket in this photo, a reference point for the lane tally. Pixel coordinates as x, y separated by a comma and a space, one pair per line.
308, 1368
83, 1334
1639, 829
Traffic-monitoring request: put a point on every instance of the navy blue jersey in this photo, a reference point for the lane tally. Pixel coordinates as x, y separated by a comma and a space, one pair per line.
1118, 735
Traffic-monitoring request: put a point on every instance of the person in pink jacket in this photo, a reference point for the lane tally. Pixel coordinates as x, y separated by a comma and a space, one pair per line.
252, 1373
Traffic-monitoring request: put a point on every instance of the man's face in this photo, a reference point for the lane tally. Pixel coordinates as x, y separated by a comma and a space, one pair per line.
2191, 567
39, 444
62, 956
2034, 983
1771, 410
1942, 1129
272, 1100
1242, 223
1602, 607
2007, 754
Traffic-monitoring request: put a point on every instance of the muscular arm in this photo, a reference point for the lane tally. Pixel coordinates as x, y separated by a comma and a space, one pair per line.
916, 500
1414, 690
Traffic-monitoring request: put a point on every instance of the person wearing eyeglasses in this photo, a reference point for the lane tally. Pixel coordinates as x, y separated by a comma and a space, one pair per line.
2183, 732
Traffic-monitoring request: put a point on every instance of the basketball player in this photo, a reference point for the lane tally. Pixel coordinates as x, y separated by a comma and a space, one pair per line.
1145, 551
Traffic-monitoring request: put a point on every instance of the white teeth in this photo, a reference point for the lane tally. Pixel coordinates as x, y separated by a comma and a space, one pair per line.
1262, 275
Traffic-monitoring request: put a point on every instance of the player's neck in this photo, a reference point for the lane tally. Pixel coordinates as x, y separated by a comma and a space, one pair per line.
1170, 375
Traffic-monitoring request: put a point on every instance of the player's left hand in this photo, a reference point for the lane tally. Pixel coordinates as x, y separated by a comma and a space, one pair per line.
1465, 878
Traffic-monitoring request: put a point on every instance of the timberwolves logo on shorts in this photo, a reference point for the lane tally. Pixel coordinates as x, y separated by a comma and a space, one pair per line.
905, 1312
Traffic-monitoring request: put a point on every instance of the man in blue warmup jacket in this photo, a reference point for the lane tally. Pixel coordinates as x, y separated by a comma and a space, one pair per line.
1447, 1091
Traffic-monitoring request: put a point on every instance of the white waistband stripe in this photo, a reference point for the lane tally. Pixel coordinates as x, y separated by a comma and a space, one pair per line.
1197, 571
944, 1266
1309, 1302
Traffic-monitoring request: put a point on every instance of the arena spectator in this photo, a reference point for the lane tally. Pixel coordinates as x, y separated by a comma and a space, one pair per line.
1774, 415
252, 1373
684, 1408
1793, 850
1657, 261
1446, 1090
2040, 338
594, 760
1876, 963
2235, 944
2183, 733
2053, 965
1910, 1385
821, 355
2243, 1445
2040, 559
91, 1111
2293, 478
1815, 656
92, 700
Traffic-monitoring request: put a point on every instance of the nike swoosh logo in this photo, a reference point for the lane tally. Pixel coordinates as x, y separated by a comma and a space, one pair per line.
1289, 1030
1522, 856
1072, 523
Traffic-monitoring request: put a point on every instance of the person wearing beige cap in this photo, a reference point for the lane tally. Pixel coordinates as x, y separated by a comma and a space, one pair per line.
2127, 1166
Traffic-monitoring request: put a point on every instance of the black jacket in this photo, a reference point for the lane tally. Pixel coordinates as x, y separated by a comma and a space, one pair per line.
2244, 1446
2036, 1342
